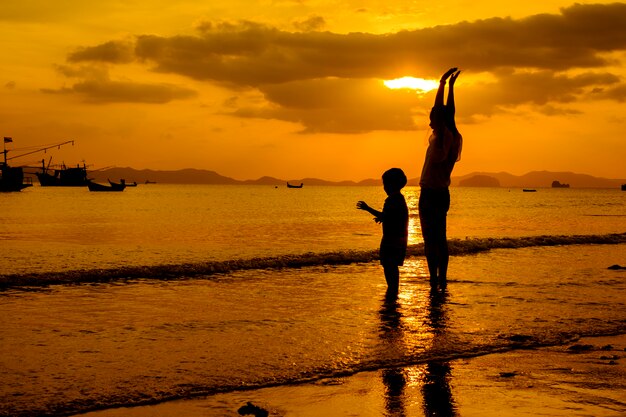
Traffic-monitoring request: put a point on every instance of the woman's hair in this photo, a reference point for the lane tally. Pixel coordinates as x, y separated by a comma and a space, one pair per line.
438, 124
442, 118
437, 116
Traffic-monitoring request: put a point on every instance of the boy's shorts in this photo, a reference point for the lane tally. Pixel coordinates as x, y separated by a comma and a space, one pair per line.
392, 251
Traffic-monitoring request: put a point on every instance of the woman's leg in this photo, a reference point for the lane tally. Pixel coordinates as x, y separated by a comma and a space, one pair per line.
444, 255
433, 213
425, 214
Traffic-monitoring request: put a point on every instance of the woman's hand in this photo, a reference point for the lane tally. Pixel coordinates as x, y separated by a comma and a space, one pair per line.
448, 73
454, 77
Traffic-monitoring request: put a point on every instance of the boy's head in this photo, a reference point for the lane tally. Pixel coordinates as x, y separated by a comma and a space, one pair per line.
394, 180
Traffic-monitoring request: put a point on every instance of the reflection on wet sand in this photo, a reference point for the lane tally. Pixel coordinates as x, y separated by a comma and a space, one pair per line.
394, 379
436, 390
434, 376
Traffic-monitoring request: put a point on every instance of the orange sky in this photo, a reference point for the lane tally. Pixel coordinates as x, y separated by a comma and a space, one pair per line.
293, 88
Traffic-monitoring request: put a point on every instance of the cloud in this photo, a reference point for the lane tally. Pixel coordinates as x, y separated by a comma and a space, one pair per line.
251, 54
101, 89
616, 93
539, 88
313, 23
549, 61
10, 85
115, 52
337, 105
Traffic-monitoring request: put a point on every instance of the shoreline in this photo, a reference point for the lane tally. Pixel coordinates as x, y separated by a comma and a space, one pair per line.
582, 378
204, 269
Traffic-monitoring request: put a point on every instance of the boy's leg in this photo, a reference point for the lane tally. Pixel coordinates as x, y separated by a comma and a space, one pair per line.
392, 276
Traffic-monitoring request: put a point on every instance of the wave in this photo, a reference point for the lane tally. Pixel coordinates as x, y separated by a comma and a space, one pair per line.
457, 247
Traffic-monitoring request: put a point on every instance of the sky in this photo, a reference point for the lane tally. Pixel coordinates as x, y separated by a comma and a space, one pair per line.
295, 88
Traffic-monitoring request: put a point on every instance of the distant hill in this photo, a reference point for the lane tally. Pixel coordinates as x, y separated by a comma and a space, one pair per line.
479, 181
183, 176
535, 179
538, 179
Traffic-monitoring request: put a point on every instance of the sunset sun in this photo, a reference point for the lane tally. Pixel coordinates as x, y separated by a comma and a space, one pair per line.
420, 85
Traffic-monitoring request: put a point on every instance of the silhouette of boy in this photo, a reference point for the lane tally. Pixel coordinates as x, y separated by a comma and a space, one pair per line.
395, 221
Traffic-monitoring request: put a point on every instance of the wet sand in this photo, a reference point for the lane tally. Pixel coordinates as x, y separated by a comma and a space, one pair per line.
582, 378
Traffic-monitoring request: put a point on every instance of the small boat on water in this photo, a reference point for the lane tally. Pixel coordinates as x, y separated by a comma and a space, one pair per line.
123, 182
94, 186
529, 190
295, 186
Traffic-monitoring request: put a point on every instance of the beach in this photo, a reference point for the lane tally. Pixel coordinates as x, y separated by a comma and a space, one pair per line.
283, 338
201, 314
584, 378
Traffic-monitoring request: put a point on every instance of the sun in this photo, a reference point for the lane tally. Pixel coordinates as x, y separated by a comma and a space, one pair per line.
420, 85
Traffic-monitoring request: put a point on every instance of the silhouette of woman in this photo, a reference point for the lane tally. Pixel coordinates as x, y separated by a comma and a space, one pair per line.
444, 150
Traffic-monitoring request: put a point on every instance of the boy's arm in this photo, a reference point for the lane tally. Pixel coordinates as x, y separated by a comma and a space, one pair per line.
362, 205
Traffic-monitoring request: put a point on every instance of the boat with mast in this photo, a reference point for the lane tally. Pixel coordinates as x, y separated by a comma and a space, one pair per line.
63, 176
11, 178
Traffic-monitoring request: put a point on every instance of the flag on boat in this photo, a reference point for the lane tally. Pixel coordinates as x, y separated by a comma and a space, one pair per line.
8, 140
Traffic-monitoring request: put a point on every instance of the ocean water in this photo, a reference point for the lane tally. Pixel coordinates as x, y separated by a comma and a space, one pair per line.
166, 292
49, 229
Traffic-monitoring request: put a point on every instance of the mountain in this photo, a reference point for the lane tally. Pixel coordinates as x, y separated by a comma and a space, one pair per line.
479, 181
535, 179
183, 176
538, 179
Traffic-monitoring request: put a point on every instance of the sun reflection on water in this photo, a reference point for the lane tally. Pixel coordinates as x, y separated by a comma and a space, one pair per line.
416, 321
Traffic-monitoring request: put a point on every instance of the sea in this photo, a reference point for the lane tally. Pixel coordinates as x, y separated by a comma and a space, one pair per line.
169, 292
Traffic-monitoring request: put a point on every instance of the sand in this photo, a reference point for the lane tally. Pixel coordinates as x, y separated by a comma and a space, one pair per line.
585, 378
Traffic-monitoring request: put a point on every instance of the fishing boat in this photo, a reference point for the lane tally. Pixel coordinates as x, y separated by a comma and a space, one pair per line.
529, 190
12, 178
295, 186
122, 182
94, 186
63, 176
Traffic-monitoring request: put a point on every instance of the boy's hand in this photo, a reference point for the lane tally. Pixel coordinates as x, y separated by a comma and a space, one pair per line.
378, 220
362, 205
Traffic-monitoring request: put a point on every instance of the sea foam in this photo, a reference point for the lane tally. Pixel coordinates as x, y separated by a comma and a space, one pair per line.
457, 247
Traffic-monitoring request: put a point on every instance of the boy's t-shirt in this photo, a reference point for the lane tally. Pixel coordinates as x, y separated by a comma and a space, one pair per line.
395, 230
